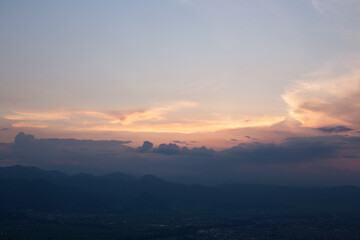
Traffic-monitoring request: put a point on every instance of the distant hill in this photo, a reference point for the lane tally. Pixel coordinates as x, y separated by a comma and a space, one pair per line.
34, 188
21, 172
37, 194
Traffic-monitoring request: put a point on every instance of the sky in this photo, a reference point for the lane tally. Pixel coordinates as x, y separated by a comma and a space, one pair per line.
272, 87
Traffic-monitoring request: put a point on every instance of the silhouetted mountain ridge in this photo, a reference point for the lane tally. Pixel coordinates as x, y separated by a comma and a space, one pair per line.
29, 173
119, 175
34, 188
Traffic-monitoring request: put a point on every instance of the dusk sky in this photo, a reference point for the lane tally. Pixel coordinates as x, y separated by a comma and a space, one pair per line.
270, 88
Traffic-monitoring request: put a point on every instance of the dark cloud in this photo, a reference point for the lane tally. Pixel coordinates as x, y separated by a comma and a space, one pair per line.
146, 147
255, 162
198, 151
234, 140
249, 137
170, 148
3, 129
336, 129
291, 150
60, 152
180, 142
23, 139
173, 149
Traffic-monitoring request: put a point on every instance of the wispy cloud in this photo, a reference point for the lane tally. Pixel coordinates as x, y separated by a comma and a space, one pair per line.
156, 119
29, 125
316, 5
191, 126
335, 6
152, 114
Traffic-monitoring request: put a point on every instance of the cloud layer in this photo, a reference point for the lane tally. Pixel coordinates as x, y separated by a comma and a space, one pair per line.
289, 161
168, 118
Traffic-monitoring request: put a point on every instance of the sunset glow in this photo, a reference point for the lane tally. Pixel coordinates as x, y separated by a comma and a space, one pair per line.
217, 90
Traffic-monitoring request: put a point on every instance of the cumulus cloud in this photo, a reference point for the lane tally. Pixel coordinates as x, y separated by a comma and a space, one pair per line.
170, 148
173, 149
146, 147
323, 102
23, 139
198, 151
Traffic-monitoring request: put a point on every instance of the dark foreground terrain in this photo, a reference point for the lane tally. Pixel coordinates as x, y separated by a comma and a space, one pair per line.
38, 204
65, 225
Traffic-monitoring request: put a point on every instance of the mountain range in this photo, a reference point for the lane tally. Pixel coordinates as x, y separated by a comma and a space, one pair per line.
24, 188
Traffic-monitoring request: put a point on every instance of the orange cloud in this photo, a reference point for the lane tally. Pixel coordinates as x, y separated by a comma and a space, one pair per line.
38, 116
156, 120
189, 127
153, 114
324, 102
29, 125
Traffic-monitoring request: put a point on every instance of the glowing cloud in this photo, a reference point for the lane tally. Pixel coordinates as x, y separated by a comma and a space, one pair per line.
156, 120
153, 114
192, 126
29, 125
329, 102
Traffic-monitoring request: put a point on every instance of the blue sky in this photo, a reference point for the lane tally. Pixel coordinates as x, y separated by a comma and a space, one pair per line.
228, 56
